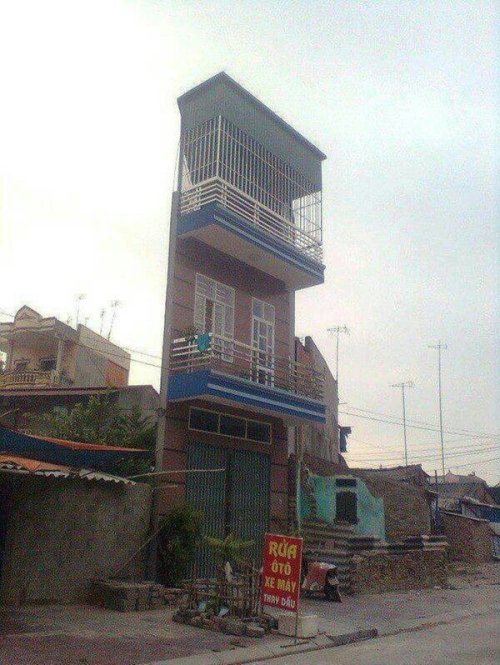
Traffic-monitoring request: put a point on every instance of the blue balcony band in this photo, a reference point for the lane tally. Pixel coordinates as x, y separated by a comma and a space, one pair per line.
209, 383
215, 214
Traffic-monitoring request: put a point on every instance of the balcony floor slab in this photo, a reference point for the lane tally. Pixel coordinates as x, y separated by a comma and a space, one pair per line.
235, 391
229, 233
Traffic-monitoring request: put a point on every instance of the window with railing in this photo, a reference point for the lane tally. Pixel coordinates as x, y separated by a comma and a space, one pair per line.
218, 151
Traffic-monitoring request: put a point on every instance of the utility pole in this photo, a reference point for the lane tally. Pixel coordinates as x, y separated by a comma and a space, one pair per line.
337, 330
114, 305
403, 385
79, 298
439, 346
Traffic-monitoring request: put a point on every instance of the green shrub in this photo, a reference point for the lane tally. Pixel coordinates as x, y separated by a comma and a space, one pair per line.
178, 539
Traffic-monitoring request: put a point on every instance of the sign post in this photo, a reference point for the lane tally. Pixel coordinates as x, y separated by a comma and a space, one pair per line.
281, 569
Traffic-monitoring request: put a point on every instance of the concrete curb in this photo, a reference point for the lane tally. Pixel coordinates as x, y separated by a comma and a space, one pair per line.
239, 656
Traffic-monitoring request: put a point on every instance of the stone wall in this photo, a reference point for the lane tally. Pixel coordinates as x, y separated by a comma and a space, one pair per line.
469, 538
63, 533
376, 572
406, 506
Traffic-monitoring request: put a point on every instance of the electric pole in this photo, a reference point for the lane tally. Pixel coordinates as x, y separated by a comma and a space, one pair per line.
403, 385
79, 298
338, 330
439, 346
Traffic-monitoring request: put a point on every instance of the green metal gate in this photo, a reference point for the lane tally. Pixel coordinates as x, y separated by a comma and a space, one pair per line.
249, 498
236, 501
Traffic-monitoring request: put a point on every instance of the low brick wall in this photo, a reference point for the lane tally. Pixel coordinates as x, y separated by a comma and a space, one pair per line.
469, 538
375, 572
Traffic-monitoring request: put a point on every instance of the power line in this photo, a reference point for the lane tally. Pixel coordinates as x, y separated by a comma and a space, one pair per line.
427, 457
428, 429
414, 420
393, 454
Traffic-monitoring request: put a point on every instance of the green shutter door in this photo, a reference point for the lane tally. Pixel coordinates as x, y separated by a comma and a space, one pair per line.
249, 498
236, 501
206, 492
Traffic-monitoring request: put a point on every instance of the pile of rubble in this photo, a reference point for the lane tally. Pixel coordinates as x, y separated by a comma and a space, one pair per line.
255, 626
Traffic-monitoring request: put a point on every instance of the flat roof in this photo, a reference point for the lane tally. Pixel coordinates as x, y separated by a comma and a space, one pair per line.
222, 77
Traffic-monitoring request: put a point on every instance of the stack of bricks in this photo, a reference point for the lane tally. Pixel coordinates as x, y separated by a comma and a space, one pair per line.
135, 596
399, 569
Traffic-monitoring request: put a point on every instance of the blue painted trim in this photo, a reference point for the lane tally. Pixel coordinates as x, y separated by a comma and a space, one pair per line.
213, 213
206, 383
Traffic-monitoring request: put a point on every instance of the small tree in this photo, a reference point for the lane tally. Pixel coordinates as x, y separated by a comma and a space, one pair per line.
101, 421
229, 549
179, 536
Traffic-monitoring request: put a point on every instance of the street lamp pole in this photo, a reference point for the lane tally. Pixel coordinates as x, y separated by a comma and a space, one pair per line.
403, 385
440, 346
337, 330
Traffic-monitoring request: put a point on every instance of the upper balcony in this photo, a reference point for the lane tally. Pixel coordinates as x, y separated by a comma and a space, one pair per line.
250, 186
29, 379
231, 372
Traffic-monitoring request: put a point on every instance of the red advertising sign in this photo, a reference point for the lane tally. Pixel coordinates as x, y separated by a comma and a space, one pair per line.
282, 562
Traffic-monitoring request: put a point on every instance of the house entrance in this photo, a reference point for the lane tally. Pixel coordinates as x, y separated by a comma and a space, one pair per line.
234, 501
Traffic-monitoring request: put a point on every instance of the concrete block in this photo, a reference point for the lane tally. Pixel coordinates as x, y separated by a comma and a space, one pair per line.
307, 625
232, 627
254, 630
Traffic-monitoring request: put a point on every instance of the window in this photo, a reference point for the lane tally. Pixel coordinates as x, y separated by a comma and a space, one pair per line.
263, 342
202, 420
232, 426
259, 431
47, 364
214, 312
206, 421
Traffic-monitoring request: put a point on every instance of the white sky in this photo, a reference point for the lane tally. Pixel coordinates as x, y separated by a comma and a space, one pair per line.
401, 97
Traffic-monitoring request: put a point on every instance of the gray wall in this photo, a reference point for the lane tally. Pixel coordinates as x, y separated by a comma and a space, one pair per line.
63, 533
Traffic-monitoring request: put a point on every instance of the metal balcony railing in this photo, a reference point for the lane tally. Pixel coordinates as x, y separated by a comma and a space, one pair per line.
220, 162
218, 191
234, 358
26, 378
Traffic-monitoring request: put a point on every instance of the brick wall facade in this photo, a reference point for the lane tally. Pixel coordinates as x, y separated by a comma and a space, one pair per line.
406, 506
469, 538
376, 572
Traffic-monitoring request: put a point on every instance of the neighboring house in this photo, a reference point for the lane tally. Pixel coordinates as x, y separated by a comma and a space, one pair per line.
44, 352
246, 235
409, 503
413, 474
457, 478
321, 440
17, 402
450, 494
64, 520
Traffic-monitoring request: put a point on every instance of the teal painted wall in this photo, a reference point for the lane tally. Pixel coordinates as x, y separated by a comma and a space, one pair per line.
370, 509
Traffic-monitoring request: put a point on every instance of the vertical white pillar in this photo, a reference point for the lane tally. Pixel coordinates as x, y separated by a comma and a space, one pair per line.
59, 359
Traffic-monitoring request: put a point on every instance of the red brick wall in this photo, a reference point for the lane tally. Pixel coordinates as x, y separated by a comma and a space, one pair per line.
469, 538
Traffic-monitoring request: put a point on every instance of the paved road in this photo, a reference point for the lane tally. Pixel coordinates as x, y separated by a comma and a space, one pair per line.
473, 641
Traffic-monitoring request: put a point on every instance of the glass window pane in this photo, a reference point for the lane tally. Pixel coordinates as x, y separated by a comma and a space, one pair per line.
257, 431
206, 421
231, 426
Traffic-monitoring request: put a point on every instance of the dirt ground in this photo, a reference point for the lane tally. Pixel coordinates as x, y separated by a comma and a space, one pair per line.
86, 635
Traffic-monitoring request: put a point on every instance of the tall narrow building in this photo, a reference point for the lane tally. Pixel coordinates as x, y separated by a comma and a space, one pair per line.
246, 235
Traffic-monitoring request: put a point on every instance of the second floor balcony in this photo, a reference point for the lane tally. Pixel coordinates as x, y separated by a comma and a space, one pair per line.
241, 199
228, 371
27, 378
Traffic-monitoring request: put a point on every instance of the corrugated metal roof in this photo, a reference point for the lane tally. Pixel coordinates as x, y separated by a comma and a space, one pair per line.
23, 465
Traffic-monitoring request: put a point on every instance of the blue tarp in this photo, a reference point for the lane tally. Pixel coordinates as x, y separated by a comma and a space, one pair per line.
65, 452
